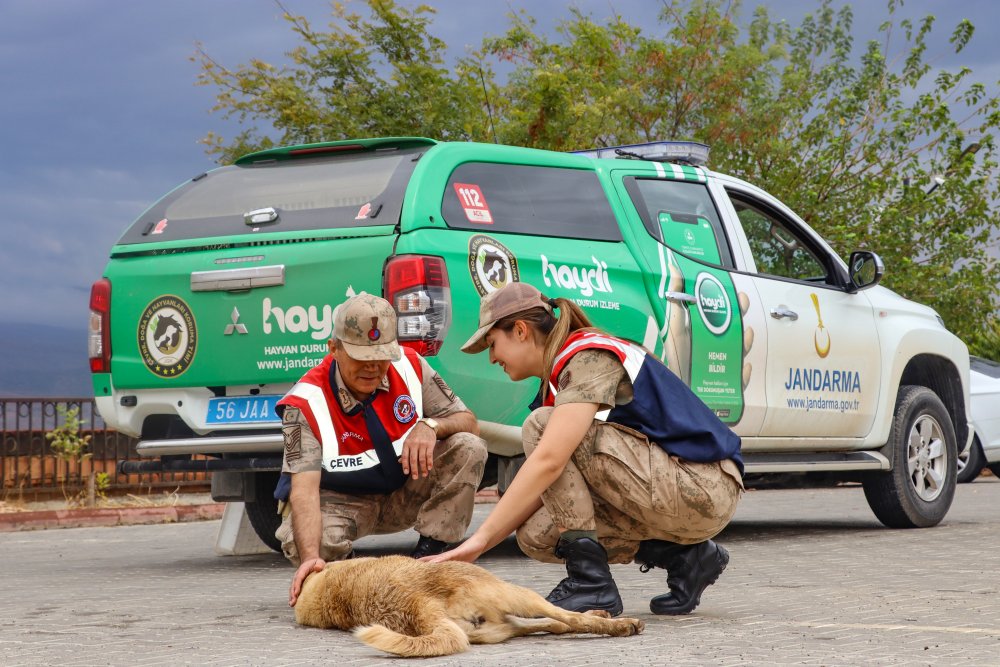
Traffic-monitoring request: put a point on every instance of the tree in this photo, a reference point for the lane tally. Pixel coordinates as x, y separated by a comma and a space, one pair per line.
875, 150
381, 75
858, 151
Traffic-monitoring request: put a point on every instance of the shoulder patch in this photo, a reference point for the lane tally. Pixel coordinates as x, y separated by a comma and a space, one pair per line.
290, 415
443, 386
292, 434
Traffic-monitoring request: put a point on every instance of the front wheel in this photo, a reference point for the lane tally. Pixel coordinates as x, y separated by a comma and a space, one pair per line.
263, 511
918, 491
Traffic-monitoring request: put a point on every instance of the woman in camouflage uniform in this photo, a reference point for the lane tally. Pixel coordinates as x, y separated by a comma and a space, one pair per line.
624, 463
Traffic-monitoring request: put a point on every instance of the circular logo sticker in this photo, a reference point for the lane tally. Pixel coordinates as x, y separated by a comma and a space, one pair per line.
713, 303
167, 336
404, 409
491, 264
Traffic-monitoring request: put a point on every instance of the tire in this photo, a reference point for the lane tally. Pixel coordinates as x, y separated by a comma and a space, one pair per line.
971, 463
490, 471
263, 511
918, 491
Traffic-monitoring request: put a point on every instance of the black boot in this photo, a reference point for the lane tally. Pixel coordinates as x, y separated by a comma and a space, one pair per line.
589, 584
690, 570
428, 546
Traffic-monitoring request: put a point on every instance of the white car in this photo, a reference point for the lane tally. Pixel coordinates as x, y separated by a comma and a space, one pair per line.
984, 387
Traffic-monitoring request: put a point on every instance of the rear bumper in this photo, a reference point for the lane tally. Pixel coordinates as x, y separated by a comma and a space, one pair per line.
243, 464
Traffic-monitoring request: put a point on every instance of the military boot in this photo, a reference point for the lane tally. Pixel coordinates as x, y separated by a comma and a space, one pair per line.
428, 546
690, 570
589, 584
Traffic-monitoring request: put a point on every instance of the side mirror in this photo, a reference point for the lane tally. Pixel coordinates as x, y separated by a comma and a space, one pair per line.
866, 270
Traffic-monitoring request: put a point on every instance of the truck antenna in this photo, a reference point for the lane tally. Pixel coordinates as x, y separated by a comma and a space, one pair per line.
489, 110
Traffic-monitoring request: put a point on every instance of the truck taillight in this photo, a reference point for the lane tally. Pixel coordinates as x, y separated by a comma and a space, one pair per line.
417, 287
99, 331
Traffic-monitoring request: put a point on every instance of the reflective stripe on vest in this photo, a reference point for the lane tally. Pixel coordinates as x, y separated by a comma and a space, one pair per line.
333, 460
629, 355
662, 408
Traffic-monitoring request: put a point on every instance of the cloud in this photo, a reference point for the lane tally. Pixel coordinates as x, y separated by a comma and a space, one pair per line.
59, 225
102, 115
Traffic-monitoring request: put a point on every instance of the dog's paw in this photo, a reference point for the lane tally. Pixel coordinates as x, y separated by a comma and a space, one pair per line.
600, 613
635, 625
626, 627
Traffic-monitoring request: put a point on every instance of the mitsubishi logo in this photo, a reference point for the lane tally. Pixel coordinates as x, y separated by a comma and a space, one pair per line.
236, 325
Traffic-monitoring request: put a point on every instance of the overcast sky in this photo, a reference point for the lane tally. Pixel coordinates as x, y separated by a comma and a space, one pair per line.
100, 115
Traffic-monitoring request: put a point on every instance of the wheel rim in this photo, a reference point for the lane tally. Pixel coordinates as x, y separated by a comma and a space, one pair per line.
927, 462
963, 460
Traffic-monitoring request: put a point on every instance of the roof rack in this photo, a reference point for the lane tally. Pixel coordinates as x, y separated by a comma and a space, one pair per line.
681, 152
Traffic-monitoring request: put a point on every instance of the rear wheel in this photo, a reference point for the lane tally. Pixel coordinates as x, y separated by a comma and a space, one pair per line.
918, 491
263, 510
971, 463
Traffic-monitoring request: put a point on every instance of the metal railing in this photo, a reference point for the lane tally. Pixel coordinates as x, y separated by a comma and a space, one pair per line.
29, 470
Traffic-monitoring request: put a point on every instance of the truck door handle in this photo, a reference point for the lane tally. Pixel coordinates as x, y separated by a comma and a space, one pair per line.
224, 280
680, 297
782, 312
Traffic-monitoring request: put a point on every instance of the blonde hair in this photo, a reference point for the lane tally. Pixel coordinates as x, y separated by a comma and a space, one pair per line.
553, 330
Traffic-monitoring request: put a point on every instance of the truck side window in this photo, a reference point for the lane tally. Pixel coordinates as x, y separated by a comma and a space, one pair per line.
523, 199
777, 248
682, 216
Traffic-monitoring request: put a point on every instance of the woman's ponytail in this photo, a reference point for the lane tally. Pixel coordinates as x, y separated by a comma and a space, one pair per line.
571, 319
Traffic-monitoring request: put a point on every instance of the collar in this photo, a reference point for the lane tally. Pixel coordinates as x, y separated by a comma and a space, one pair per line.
345, 398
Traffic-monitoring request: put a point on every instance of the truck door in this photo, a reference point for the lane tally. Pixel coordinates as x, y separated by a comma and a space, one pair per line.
821, 372
697, 323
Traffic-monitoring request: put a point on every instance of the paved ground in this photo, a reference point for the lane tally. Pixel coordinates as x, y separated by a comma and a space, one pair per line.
814, 580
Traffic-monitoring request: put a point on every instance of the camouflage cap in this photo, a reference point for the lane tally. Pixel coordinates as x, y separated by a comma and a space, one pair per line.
366, 326
510, 299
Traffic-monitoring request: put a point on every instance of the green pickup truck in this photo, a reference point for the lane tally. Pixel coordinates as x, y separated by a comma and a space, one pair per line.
221, 295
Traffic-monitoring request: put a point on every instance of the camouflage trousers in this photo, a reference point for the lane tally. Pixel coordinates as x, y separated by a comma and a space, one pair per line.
619, 484
439, 505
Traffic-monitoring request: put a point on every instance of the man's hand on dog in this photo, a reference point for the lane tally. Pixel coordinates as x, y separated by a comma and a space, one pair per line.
307, 568
417, 458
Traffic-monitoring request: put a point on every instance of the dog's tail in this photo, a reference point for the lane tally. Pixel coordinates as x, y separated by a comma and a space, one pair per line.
445, 638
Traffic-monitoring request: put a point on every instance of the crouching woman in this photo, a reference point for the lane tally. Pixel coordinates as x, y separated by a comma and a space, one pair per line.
624, 463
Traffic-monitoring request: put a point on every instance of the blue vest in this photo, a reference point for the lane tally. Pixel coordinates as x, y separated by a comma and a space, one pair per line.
663, 408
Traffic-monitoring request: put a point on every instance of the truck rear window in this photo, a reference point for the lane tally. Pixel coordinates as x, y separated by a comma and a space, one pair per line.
522, 199
356, 190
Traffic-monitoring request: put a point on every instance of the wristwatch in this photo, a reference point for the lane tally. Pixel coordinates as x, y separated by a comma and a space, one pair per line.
433, 423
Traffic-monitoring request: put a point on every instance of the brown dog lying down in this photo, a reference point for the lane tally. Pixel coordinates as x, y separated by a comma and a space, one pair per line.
411, 608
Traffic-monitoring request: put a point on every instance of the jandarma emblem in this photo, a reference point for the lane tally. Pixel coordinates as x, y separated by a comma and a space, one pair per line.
167, 336
821, 337
404, 409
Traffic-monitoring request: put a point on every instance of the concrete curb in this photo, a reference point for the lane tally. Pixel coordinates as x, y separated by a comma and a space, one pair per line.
132, 516
117, 516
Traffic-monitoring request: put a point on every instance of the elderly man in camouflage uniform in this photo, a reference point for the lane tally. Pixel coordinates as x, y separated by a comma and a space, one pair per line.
375, 442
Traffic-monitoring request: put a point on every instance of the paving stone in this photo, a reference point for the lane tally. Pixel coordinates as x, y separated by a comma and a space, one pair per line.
814, 580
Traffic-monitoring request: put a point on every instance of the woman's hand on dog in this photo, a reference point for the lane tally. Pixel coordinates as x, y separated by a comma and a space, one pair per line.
468, 551
307, 568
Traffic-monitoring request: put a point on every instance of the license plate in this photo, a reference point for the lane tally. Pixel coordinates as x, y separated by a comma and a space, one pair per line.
242, 410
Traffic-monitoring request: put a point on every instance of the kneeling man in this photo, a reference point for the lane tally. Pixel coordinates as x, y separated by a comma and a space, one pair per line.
375, 442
